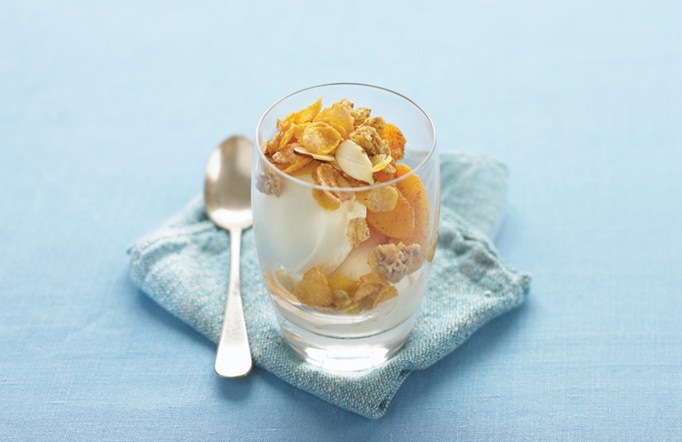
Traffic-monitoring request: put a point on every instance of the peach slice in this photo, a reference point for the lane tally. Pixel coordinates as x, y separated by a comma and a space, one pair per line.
399, 223
414, 192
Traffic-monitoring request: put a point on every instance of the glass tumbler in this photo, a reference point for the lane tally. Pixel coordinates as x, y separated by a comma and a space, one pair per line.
347, 279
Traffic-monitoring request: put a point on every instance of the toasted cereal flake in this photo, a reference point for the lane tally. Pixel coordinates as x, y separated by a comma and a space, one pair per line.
299, 129
373, 288
339, 115
386, 293
342, 282
320, 138
326, 175
287, 136
314, 289
288, 161
342, 299
308, 114
302, 162
353, 161
381, 199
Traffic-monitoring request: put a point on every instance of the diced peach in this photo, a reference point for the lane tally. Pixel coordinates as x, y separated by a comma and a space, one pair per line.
399, 223
395, 139
414, 192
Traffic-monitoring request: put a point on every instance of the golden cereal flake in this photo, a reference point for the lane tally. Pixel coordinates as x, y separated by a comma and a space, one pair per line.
373, 288
381, 199
339, 115
298, 165
394, 261
299, 129
306, 115
320, 138
338, 281
314, 289
288, 161
326, 175
341, 299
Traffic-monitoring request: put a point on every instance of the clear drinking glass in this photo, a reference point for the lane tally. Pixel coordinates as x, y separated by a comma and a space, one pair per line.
370, 318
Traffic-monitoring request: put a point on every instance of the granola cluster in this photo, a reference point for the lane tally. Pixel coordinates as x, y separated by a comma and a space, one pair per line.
344, 147
347, 137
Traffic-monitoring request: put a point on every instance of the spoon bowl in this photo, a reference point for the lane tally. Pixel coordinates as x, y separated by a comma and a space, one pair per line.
227, 189
227, 197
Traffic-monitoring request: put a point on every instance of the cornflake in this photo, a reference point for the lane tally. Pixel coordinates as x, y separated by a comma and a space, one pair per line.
373, 288
381, 199
395, 261
288, 161
320, 138
326, 175
338, 115
314, 289
306, 115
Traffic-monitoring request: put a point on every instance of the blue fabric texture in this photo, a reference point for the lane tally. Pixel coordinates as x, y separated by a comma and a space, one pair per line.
184, 267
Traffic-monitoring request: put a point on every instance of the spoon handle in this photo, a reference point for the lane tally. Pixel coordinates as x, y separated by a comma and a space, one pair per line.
233, 358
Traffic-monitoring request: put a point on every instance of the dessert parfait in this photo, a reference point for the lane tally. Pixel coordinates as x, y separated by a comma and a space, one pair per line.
344, 230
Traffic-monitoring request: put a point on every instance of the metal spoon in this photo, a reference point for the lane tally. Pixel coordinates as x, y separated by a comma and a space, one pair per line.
227, 196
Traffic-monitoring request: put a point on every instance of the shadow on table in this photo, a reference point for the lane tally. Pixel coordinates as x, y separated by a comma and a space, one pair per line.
158, 313
232, 389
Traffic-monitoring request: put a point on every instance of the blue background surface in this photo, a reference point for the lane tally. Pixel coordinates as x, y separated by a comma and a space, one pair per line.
108, 114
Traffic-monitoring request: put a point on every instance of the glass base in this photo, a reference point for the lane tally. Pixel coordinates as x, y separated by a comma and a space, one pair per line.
346, 354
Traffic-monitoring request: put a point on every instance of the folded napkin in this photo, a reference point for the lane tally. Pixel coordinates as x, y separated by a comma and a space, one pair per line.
185, 265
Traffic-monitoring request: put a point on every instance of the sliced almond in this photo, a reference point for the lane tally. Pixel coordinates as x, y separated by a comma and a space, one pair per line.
321, 157
353, 161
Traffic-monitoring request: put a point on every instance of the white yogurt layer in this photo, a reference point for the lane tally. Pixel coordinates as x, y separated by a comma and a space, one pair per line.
299, 234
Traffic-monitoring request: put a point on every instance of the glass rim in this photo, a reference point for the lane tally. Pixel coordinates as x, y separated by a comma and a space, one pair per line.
376, 185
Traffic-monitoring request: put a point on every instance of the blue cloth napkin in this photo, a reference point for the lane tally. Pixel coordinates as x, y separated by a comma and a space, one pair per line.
184, 267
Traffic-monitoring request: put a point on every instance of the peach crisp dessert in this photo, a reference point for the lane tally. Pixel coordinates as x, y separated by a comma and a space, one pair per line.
345, 235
